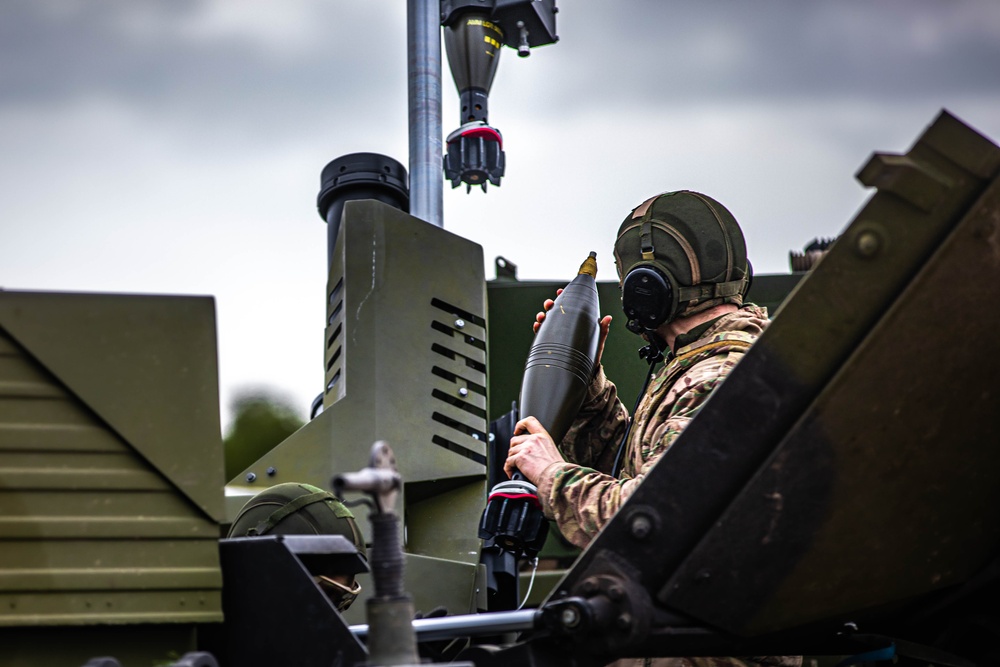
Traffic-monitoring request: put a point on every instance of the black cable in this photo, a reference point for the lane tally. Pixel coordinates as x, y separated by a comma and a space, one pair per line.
655, 356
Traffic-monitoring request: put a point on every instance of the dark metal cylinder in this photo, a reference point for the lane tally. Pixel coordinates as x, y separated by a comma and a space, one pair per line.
387, 557
391, 640
359, 176
423, 32
561, 361
473, 42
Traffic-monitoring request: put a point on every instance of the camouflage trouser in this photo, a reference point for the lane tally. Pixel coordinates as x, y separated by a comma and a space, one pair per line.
755, 661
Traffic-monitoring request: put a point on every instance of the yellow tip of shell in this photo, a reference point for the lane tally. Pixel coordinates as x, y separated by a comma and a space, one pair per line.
589, 266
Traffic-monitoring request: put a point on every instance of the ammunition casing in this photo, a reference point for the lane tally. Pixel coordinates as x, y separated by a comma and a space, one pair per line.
561, 361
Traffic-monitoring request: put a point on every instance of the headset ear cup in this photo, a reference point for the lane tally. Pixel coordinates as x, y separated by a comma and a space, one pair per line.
647, 299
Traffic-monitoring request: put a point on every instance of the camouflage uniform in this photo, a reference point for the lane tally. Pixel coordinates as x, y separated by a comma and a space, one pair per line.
580, 493
582, 496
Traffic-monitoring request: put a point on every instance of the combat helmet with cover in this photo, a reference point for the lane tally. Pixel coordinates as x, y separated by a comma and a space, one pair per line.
303, 509
677, 254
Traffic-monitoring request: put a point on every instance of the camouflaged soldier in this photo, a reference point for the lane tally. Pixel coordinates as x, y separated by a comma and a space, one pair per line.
682, 263
302, 509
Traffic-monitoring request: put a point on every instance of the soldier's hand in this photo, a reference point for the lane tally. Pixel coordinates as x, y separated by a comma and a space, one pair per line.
546, 307
605, 324
531, 450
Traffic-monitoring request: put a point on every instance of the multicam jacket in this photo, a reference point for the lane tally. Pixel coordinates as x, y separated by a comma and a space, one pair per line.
580, 493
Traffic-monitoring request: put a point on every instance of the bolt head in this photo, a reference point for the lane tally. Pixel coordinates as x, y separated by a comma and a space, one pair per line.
641, 526
868, 243
459, 323
569, 617
251, 477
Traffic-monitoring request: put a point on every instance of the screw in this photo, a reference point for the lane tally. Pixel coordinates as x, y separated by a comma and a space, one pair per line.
588, 586
251, 477
624, 621
271, 470
492, 437
459, 323
702, 577
641, 526
868, 244
615, 592
569, 617
463, 392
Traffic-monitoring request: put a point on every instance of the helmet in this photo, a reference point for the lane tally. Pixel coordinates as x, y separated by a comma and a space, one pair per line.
303, 509
677, 254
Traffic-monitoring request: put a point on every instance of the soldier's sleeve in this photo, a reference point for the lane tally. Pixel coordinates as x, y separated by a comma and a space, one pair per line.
592, 440
582, 500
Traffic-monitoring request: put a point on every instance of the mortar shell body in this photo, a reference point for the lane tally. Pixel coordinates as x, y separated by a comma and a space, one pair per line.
561, 360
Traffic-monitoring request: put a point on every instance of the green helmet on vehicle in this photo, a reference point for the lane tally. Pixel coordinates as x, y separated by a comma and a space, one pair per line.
303, 509
677, 254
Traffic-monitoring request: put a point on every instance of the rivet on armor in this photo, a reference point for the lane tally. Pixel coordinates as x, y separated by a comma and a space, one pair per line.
868, 243
570, 617
641, 526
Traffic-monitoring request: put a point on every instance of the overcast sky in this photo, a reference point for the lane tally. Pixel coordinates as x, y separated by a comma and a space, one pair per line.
175, 146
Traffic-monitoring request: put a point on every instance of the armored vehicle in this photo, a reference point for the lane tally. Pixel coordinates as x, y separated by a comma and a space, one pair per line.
845, 502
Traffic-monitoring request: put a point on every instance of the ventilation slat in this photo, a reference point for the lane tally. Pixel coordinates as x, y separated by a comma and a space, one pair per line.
459, 449
461, 313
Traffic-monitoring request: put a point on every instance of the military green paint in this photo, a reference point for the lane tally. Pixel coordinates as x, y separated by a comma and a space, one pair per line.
405, 349
90, 530
430, 582
903, 437
145, 365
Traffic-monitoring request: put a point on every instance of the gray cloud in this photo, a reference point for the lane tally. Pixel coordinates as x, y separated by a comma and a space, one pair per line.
658, 52
153, 57
175, 145
640, 52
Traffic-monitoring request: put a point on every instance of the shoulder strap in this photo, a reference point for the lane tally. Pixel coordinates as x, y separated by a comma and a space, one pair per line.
735, 342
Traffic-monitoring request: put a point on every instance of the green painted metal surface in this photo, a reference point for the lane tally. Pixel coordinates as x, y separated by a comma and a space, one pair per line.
146, 366
405, 349
101, 521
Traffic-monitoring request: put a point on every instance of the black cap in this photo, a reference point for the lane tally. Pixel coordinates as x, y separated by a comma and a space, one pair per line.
363, 176
359, 176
